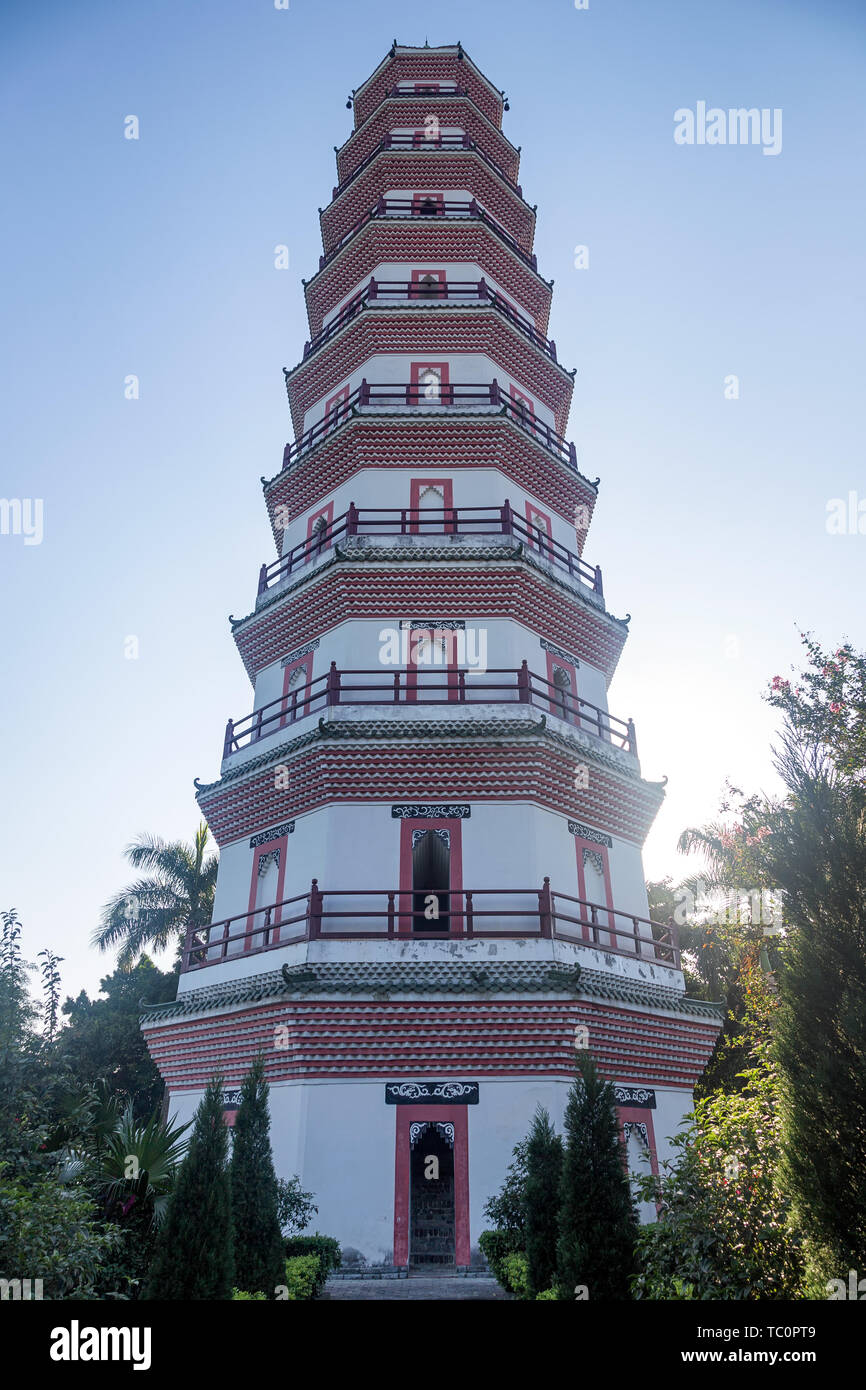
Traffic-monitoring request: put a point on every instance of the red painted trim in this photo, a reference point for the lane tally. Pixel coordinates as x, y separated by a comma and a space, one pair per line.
449, 665
404, 1116
443, 369
566, 711
334, 403
282, 844
419, 485
425, 197
416, 277
307, 663
455, 826
580, 846
632, 1113
538, 520
328, 513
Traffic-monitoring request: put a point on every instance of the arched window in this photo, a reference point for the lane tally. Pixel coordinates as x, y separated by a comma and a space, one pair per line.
563, 699
431, 879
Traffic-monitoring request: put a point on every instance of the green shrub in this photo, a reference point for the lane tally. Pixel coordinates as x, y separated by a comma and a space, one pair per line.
239, 1296
325, 1248
546, 1293
302, 1277
495, 1246
516, 1271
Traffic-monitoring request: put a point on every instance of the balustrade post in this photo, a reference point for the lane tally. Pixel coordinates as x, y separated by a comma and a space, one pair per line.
636, 934
381, 207
396, 687
495, 397
287, 455
332, 692
552, 345
545, 908
507, 518
227, 741
263, 579
373, 288
473, 208
364, 392
307, 346
572, 455
523, 690
258, 733
593, 917
461, 686
483, 290
596, 583
632, 737
469, 912
352, 520
391, 914
314, 911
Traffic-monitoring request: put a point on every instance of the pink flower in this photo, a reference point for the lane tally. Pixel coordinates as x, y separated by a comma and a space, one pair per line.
835, 708
779, 684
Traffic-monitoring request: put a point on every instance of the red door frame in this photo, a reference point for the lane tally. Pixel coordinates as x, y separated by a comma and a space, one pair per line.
444, 370
253, 922
419, 198
455, 886
328, 513
570, 713
580, 845
334, 404
416, 485
307, 663
449, 666
404, 1116
416, 276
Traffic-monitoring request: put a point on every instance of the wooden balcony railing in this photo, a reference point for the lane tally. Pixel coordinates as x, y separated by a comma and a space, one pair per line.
447, 210
415, 142
337, 915
379, 292
430, 521
455, 396
419, 685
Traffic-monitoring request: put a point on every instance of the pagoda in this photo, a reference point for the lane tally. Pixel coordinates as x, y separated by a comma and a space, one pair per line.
430, 825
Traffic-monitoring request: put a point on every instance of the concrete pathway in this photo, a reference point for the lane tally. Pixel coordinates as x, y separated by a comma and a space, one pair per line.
420, 1287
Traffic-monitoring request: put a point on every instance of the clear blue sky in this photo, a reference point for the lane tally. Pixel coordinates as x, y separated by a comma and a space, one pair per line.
155, 257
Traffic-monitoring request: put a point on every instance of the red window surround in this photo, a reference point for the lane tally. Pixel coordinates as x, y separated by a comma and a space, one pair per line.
445, 486
595, 848
569, 708
256, 922
415, 288
431, 382
455, 829
304, 663
334, 405
323, 534
537, 520
525, 403
420, 198
446, 668
404, 1116
629, 1114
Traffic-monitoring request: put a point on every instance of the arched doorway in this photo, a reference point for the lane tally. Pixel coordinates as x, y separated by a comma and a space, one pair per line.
431, 1195
431, 879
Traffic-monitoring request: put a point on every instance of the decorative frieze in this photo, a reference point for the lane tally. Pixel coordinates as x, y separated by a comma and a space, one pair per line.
431, 1092
442, 810
638, 1097
558, 651
276, 834
299, 652
584, 832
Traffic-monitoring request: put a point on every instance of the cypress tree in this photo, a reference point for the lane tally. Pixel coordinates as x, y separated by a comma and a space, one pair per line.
194, 1257
541, 1200
597, 1223
258, 1243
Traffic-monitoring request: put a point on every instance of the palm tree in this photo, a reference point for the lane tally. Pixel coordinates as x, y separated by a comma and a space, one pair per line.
156, 910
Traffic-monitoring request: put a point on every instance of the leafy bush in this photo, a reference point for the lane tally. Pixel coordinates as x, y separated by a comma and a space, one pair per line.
546, 1294
495, 1246
50, 1232
303, 1277
515, 1269
295, 1208
239, 1296
325, 1248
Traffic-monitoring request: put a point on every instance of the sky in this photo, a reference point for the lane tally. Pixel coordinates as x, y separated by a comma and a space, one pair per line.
154, 258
